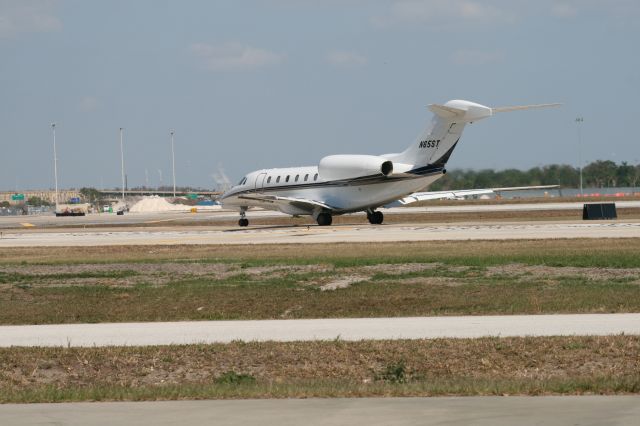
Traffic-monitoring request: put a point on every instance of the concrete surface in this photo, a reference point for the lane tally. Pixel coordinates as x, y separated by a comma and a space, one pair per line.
107, 219
188, 332
481, 411
326, 234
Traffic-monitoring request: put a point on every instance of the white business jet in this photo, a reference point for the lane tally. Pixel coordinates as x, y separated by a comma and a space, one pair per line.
350, 183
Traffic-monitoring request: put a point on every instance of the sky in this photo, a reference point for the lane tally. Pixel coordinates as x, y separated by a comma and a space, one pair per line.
276, 83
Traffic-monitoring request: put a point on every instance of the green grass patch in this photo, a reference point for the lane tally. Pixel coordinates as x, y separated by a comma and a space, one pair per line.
9, 278
296, 296
285, 281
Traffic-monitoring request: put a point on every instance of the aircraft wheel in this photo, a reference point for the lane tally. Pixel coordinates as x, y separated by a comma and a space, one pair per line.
243, 222
375, 218
324, 219
378, 217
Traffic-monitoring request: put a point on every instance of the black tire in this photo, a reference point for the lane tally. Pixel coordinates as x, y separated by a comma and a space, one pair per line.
378, 217
324, 219
243, 222
375, 218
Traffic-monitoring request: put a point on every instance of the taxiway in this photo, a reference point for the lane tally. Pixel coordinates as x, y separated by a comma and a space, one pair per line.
192, 332
128, 219
318, 234
481, 411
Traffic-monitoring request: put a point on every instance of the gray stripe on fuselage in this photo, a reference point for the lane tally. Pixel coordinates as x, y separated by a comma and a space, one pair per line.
364, 180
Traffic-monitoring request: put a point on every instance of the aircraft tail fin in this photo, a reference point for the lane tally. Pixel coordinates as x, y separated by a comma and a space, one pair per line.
436, 143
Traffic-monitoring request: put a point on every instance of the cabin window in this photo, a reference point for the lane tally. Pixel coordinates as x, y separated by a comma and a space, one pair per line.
315, 177
269, 179
287, 179
297, 177
306, 177
278, 179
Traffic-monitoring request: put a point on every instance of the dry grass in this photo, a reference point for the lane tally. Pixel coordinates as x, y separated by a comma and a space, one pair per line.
611, 252
566, 365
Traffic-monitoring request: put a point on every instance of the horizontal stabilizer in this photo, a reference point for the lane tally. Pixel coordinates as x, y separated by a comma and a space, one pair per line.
521, 107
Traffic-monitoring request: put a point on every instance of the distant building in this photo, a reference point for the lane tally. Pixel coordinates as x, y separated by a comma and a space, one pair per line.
50, 196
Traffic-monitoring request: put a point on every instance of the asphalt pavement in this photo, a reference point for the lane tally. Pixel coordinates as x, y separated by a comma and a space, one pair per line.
480, 411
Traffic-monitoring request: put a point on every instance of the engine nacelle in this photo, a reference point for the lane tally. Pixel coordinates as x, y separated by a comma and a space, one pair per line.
336, 167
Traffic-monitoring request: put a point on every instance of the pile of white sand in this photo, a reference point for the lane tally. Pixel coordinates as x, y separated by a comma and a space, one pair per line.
157, 204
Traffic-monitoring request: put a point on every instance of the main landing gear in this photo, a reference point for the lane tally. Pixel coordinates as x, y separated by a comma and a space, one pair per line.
324, 219
375, 217
243, 220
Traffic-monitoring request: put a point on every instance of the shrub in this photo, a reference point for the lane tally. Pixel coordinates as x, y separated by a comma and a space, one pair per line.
394, 373
233, 378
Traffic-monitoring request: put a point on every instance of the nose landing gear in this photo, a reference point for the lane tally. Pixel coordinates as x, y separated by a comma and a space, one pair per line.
243, 220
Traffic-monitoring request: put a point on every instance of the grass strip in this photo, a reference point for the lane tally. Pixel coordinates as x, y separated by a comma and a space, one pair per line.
488, 366
331, 389
614, 252
249, 297
272, 282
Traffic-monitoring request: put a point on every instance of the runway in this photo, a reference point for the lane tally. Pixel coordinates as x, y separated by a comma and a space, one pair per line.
481, 411
192, 332
329, 234
107, 219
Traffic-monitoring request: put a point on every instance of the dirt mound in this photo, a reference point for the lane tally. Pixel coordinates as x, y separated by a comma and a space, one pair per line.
157, 204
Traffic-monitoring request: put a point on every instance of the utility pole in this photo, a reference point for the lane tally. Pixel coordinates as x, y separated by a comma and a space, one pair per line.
579, 121
173, 163
122, 163
55, 162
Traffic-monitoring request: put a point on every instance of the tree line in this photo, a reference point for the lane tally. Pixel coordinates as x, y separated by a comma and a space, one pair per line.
598, 174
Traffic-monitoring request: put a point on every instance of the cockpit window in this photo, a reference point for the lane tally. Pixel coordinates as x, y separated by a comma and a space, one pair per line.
242, 181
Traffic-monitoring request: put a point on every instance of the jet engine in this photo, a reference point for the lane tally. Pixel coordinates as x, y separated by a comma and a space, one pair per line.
337, 167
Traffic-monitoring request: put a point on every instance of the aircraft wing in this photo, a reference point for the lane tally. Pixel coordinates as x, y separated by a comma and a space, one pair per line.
443, 195
300, 203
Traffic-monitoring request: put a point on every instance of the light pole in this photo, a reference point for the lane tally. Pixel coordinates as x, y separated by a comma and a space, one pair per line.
122, 162
55, 161
579, 121
173, 163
